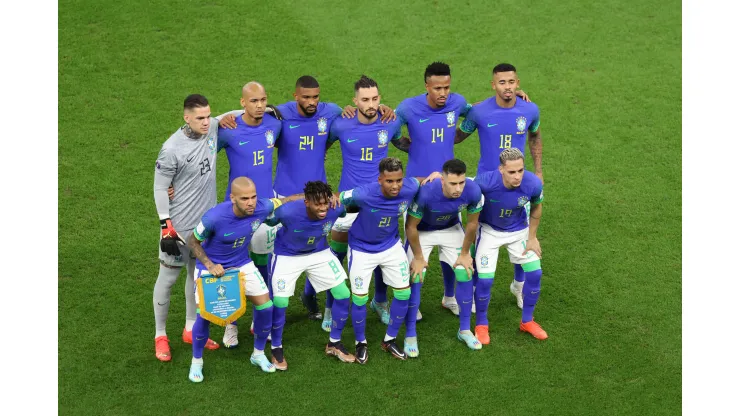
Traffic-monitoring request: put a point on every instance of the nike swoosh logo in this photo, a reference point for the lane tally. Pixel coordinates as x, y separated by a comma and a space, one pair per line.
436, 210
491, 125
421, 120
242, 143
494, 200
162, 304
228, 234
352, 140
358, 322
297, 231
374, 210
191, 158
293, 127
199, 339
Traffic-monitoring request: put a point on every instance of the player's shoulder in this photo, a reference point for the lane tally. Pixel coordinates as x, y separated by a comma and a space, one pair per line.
270, 122
288, 110
343, 123
487, 178
410, 183
531, 180
329, 109
457, 100
471, 187
527, 106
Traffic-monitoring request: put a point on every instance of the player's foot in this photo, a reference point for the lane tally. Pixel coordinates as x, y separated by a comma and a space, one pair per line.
516, 290
326, 323
481, 332
451, 304
312, 305
231, 336
469, 339
162, 348
337, 349
361, 352
392, 348
196, 372
278, 359
382, 310
261, 361
410, 347
418, 315
533, 328
187, 337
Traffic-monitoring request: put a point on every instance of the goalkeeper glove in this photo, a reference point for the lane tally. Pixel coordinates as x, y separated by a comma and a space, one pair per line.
170, 238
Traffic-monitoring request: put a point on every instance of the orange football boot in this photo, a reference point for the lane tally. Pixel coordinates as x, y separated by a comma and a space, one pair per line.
481, 332
162, 348
533, 328
187, 337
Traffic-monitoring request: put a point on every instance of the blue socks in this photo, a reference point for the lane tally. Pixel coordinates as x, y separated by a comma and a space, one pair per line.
262, 325
278, 323
413, 307
465, 302
399, 309
482, 298
201, 329
359, 313
339, 314
530, 293
518, 273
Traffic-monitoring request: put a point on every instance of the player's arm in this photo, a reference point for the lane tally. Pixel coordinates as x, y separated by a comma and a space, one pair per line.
535, 147
535, 214
466, 128
200, 233
228, 120
418, 264
164, 172
465, 258
349, 200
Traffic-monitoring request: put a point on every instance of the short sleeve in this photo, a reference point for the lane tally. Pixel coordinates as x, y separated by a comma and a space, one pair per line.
417, 207
482, 179
350, 197
537, 195
535, 121
401, 115
469, 124
476, 201
204, 228
223, 139
334, 109
335, 131
275, 217
166, 163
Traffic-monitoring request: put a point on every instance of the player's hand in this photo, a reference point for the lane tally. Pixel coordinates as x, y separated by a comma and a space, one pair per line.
524, 95
465, 260
539, 175
417, 268
533, 245
335, 202
228, 122
349, 112
171, 192
272, 110
431, 177
386, 114
216, 269
170, 238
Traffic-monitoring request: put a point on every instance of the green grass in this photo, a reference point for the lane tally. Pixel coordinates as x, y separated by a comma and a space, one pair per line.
606, 76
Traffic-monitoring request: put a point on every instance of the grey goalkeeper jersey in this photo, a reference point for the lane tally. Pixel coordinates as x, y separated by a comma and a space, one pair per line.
190, 166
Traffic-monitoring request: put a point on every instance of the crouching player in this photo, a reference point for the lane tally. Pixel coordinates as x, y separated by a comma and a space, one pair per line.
301, 246
504, 224
434, 221
220, 242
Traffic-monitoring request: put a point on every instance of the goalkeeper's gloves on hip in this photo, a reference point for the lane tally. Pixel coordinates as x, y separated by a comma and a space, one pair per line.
170, 238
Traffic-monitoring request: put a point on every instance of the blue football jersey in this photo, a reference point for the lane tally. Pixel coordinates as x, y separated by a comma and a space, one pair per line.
437, 212
300, 234
504, 208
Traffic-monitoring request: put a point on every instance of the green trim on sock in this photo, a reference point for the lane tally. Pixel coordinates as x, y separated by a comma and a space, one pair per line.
338, 247
461, 275
486, 275
359, 300
281, 301
258, 259
340, 291
531, 266
265, 305
402, 294
417, 279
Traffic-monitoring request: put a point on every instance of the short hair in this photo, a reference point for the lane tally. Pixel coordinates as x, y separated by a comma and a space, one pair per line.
365, 82
307, 81
195, 100
314, 191
390, 164
436, 69
510, 154
503, 68
455, 167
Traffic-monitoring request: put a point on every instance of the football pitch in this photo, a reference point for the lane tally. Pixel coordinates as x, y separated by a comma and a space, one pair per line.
606, 76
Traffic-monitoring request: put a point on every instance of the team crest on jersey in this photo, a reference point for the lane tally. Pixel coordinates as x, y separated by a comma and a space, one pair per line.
358, 283
462, 207
402, 206
212, 144
522, 201
255, 225
326, 228
484, 261
521, 124
450, 119
221, 291
322, 125
270, 138
383, 138
281, 284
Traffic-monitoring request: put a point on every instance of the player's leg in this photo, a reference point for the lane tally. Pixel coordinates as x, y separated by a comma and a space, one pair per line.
338, 246
485, 260
257, 293
285, 273
395, 266
190, 305
161, 300
427, 241
361, 266
449, 242
531, 266
200, 333
517, 284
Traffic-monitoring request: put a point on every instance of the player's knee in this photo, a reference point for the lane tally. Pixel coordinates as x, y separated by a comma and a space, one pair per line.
359, 300
258, 259
340, 291
264, 306
402, 294
281, 301
461, 274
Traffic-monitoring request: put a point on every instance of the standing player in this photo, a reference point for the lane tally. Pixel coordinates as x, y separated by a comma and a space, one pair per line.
302, 247
504, 223
186, 161
434, 220
364, 142
374, 242
502, 122
225, 232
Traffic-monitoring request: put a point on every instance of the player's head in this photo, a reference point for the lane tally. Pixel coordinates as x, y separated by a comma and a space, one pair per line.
505, 82
317, 195
367, 98
437, 81
391, 176
511, 166
243, 196
254, 99
453, 178
197, 113
307, 94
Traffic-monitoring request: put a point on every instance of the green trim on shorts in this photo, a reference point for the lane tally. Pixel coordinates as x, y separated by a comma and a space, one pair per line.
359, 300
402, 294
281, 301
461, 274
531, 266
340, 291
265, 305
258, 259
486, 275
338, 247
